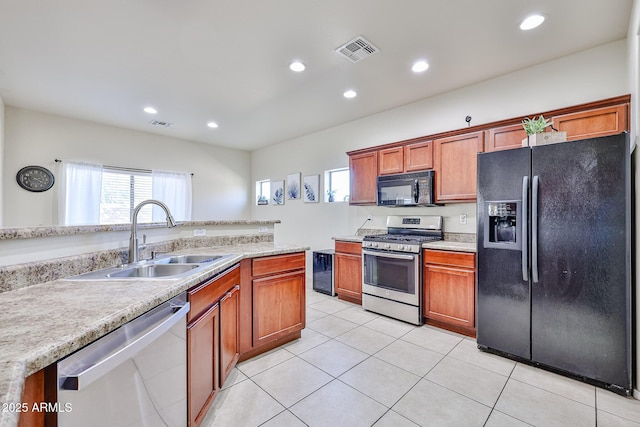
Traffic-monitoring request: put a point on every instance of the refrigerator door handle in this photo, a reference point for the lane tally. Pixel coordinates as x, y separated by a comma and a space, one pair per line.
534, 228
525, 231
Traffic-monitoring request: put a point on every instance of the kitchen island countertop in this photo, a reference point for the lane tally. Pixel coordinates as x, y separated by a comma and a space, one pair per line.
46, 322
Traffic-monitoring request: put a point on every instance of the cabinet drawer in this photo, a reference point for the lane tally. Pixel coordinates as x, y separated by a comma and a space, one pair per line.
278, 264
349, 247
208, 293
458, 259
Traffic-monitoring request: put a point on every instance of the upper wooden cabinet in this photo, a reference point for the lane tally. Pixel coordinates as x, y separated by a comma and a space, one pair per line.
408, 158
390, 161
453, 156
456, 167
593, 123
364, 171
418, 156
504, 137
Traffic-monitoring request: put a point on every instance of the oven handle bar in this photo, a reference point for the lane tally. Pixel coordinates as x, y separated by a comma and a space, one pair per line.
389, 255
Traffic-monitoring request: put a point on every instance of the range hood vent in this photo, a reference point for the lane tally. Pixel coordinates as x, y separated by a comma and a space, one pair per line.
357, 49
158, 123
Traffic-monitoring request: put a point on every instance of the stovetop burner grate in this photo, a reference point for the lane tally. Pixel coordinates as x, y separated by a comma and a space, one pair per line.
405, 238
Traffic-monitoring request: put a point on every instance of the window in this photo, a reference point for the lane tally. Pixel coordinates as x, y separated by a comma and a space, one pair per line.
263, 192
121, 192
95, 194
336, 182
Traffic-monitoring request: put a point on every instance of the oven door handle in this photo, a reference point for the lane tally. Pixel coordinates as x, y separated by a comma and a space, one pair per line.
389, 255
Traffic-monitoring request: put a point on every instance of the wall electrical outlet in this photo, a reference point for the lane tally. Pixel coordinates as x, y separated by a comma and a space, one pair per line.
199, 232
263, 229
463, 219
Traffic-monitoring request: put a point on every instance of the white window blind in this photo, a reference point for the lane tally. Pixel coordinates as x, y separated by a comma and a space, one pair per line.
122, 190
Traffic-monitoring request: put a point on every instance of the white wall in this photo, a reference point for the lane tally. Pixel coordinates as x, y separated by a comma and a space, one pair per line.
587, 76
221, 181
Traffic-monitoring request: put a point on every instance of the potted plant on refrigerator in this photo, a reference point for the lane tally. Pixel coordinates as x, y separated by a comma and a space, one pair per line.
536, 134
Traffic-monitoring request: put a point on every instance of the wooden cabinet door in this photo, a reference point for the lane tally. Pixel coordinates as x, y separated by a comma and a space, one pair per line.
229, 333
203, 372
363, 169
348, 276
278, 306
449, 295
505, 138
593, 123
418, 156
390, 161
456, 167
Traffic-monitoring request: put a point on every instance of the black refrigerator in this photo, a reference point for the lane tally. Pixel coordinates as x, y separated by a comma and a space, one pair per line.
554, 258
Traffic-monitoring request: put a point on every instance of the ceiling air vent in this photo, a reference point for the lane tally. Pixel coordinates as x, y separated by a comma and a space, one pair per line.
357, 49
160, 124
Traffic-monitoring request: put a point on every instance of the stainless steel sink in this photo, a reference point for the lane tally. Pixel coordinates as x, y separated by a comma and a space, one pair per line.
187, 259
154, 270
167, 267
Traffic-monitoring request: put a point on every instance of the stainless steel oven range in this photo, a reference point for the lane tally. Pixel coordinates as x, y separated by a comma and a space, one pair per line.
392, 266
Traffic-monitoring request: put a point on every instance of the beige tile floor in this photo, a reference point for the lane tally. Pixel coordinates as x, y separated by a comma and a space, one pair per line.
354, 368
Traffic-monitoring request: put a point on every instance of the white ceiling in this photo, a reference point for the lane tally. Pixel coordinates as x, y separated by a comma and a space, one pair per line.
227, 60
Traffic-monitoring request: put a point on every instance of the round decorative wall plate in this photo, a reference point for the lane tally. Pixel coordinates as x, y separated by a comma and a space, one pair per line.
35, 178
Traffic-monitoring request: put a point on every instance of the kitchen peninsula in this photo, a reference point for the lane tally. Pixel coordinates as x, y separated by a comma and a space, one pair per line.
50, 320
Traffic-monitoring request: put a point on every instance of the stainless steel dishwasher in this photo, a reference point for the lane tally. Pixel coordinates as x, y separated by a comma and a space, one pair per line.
133, 376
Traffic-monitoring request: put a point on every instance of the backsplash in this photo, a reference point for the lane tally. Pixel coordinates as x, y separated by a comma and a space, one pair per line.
22, 275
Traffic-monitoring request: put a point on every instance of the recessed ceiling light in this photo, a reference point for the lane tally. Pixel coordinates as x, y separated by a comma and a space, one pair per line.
150, 110
531, 22
350, 94
420, 66
212, 125
297, 66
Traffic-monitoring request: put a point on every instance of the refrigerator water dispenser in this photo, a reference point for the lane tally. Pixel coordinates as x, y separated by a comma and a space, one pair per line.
501, 228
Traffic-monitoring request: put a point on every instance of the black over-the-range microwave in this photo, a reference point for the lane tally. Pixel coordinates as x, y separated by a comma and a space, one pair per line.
406, 189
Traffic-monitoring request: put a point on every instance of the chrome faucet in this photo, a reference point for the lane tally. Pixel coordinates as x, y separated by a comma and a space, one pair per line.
133, 240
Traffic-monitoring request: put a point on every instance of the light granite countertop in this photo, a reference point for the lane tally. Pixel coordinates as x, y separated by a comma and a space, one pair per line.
46, 322
444, 245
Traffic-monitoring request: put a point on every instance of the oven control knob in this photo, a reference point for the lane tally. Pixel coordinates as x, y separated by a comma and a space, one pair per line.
374, 244
387, 246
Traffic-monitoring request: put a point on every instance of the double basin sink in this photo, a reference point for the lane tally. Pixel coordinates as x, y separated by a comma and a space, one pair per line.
167, 267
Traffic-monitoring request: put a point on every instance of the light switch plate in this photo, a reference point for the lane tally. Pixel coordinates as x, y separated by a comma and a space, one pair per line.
463, 219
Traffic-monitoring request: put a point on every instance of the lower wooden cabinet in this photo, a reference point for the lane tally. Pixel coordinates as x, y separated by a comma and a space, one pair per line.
278, 306
274, 311
212, 339
348, 271
450, 290
229, 332
203, 372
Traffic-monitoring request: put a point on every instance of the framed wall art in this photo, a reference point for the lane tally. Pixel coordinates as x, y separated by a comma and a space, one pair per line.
311, 189
277, 192
293, 186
